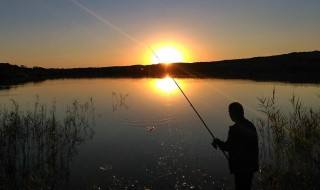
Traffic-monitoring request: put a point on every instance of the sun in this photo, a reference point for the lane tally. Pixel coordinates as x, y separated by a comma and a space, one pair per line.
167, 55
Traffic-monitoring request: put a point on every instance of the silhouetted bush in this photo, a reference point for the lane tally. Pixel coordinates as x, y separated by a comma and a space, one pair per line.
37, 147
290, 151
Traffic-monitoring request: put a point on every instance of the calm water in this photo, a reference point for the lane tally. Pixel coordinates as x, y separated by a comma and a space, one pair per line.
146, 134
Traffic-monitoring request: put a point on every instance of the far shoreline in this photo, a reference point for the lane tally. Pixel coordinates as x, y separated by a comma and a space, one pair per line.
302, 67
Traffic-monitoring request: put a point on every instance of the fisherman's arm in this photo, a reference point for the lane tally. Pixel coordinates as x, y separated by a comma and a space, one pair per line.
225, 146
219, 143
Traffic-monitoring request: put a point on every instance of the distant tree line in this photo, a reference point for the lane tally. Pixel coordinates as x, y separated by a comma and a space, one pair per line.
292, 67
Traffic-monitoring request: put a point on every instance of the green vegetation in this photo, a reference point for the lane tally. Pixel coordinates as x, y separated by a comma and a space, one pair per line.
37, 146
290, 148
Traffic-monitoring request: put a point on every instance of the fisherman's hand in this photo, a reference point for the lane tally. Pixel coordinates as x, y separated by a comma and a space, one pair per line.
216, 143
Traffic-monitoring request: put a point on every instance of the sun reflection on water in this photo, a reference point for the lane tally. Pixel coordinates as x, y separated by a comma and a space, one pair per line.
165, 85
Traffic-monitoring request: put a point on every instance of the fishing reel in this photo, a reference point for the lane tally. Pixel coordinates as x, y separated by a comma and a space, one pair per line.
216, 143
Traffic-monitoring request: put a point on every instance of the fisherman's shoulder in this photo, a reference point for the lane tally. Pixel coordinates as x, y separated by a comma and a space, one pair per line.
233, 128
250, 124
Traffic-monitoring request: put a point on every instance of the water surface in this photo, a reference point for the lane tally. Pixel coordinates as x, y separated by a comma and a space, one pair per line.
146, 135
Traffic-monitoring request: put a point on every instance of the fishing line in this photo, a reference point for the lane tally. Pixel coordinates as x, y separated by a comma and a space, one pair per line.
111, 25
154, 53
194, 109
107, 22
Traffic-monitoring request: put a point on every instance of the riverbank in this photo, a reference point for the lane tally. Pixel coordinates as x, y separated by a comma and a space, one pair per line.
299, 67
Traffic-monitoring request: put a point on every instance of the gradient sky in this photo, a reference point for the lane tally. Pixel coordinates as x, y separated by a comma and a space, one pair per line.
98, 33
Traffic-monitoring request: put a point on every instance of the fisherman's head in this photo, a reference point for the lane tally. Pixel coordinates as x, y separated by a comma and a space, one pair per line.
236, 111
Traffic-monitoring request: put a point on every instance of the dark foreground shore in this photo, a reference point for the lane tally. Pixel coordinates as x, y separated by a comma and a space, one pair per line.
302, 67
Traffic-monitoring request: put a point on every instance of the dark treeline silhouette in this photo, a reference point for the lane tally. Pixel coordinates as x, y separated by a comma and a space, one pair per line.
293, 67
299, 67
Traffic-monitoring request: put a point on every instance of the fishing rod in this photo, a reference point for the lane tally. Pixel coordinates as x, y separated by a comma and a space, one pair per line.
154, 53
194, 109
116, 28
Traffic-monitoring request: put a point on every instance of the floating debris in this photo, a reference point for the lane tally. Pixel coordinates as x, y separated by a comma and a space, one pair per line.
106, 167
150, 129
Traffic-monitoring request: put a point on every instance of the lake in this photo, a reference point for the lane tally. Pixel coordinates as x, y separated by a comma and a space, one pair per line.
143, 133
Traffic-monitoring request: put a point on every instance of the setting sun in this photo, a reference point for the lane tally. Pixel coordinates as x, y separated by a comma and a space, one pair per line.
167, 55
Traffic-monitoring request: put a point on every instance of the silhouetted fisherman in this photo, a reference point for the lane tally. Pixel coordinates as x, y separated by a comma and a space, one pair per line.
242, 146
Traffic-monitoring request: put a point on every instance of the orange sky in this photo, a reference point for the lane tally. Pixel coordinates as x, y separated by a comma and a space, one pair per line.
96, 33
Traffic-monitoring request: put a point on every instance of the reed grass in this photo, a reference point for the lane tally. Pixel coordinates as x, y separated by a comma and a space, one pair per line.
289, 145
37, 146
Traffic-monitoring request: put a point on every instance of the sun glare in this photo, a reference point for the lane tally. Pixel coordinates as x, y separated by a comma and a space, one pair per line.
166, 85
167, 55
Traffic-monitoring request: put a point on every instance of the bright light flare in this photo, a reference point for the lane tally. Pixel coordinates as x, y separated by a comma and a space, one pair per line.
166, 85
167, 55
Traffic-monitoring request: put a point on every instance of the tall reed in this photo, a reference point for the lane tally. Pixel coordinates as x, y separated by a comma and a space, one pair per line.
37, 146
289, 145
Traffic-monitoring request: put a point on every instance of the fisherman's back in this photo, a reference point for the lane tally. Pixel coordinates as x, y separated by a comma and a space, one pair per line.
242, 145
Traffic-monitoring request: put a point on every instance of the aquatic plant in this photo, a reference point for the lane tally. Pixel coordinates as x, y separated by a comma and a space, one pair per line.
119, 101
37, 145
289, 145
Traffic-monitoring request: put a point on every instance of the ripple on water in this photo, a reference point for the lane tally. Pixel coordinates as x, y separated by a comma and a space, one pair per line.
150, 122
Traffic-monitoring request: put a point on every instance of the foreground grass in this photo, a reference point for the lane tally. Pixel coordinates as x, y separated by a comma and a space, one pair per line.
36, 146
290, 146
